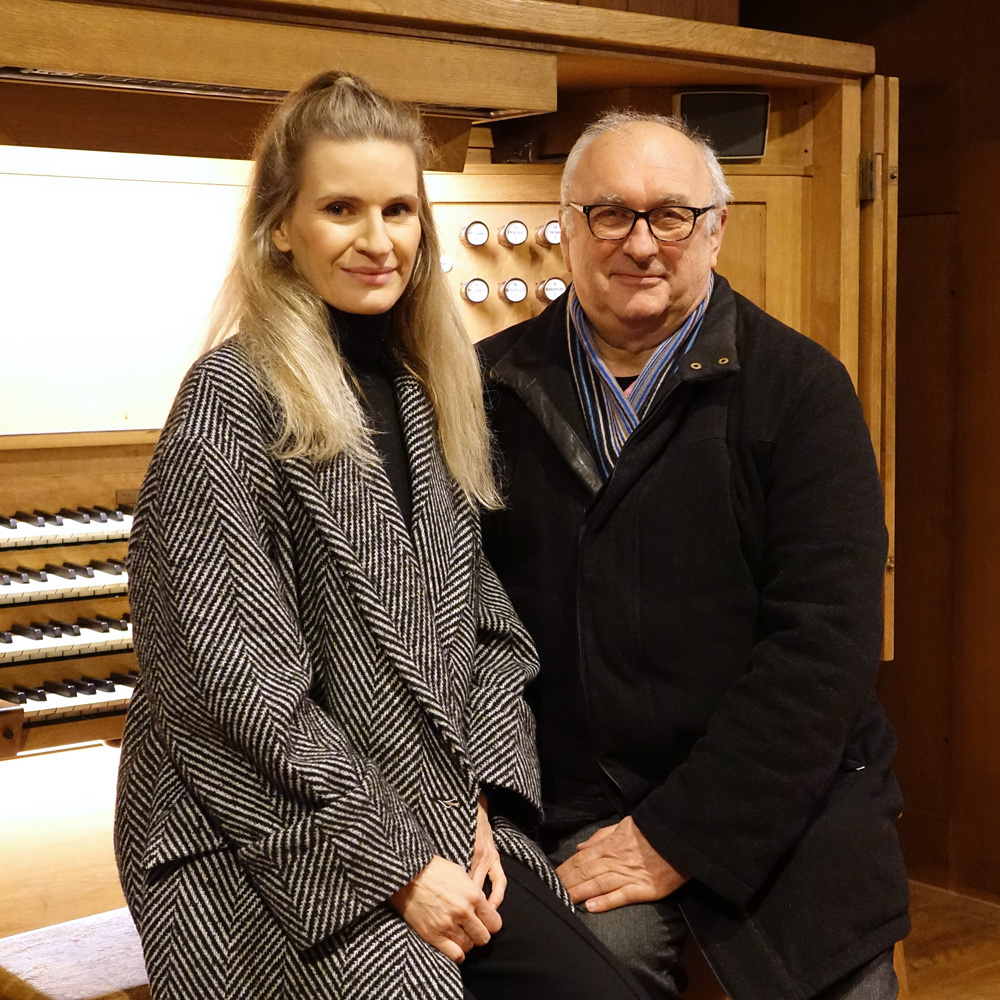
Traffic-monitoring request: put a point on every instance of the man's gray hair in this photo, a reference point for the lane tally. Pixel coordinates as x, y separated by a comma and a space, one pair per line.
612, 121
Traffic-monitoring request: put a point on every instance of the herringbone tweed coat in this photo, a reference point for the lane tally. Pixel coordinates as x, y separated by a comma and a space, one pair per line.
322, 694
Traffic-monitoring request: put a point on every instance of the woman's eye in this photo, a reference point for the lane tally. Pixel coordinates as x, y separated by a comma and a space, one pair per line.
400, 210
337, 209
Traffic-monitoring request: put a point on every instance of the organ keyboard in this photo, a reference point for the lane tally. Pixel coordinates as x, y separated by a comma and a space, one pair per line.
37, 584
58, 639
68, 527
67, 668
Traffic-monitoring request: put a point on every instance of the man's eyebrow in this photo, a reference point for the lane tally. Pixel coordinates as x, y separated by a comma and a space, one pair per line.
661, 202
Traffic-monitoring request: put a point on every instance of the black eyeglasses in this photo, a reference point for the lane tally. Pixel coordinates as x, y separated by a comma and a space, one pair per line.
668, 224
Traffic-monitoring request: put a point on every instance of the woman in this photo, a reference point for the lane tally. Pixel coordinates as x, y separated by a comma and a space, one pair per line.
330, 722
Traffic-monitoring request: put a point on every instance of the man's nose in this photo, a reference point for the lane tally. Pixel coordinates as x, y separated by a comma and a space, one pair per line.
373, 237
640, 243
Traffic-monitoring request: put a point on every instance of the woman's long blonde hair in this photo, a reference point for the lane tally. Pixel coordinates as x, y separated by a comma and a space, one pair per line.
284, 324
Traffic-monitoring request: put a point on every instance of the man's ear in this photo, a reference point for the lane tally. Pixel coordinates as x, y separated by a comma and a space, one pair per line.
280, 239
564, 241
715, 240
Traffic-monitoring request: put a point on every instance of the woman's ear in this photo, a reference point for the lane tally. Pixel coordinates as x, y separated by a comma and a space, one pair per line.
280, 239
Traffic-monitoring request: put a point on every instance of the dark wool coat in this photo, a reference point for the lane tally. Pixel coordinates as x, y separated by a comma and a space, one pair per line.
322, 695
720, 597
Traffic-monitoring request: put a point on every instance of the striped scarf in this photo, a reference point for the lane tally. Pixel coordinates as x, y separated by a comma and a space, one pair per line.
612, 413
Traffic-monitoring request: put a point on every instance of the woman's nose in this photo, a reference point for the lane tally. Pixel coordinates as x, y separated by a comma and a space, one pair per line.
373, 237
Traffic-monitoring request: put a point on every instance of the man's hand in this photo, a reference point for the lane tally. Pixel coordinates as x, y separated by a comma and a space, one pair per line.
486, 858
615, 867
446, 909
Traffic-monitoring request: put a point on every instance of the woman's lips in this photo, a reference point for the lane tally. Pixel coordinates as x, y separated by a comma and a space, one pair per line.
371, 275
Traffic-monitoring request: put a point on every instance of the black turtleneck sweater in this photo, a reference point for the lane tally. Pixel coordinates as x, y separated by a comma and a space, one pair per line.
366, 345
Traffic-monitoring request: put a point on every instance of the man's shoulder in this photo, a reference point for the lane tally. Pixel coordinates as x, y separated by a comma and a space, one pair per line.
765, 339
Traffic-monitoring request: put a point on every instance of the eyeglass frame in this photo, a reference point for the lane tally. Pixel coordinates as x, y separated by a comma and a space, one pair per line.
585, 211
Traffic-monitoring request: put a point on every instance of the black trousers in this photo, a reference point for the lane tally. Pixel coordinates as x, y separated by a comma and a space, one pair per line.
542, 952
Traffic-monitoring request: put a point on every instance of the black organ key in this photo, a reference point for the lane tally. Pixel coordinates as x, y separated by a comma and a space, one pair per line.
33, 519
66, 572
31, 693
55, 519
76, 515
68, 628
4, 579
94, 624
111, 515
60, 687
16, 575
81, 685
118, 624
8, 522
5, 637
98, 516
51, 629
27, 631
127, 508
99, 683
108, 566
80, 569
125, 680
38, 575
15, 697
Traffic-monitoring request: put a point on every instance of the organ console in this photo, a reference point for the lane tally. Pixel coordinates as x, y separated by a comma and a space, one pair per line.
125, 77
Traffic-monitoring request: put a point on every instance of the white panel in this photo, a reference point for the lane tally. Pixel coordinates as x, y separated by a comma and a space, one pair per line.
109, 266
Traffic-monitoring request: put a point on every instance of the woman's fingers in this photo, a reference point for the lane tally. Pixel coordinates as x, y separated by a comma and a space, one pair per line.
444, 907
498, 883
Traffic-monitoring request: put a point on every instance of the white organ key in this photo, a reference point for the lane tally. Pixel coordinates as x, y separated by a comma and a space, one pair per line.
58, 589
26, 536
57, 706
22, 650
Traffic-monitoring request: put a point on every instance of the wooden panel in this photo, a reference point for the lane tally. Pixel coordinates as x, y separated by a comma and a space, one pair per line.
581, 25
719, 11
540, 137
125, 42
976, 681
55, 838
916, 688
835, 221
763, 254
877, 294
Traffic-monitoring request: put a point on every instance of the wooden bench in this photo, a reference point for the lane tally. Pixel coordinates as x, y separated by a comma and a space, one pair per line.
91, 958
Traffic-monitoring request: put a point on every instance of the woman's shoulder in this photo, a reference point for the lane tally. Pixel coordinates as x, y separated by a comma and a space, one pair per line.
220, 393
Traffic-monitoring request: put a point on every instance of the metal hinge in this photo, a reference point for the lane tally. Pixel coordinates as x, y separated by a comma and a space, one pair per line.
869, 176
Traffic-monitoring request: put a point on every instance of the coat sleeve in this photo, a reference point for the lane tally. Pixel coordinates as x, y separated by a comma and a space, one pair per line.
227, 675
765, 766
500, 729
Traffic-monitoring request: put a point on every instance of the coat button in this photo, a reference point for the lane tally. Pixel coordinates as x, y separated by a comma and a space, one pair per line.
696, 365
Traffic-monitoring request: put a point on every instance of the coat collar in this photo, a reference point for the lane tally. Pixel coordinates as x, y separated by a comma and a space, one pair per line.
409, 589
536, 366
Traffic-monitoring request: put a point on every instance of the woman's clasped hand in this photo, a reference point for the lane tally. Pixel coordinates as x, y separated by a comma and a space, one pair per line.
447, 906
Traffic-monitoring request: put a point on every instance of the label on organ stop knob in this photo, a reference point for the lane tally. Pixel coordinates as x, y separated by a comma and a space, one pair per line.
550, 289
475, 290
513, 234
549, 234
513, 290
475, 234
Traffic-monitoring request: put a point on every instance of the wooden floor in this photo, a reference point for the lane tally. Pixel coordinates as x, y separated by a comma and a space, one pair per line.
953, 951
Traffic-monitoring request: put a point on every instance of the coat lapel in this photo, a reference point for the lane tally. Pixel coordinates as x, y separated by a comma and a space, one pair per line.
399, 582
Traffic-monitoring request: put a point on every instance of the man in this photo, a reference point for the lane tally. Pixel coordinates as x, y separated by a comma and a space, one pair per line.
694, 536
